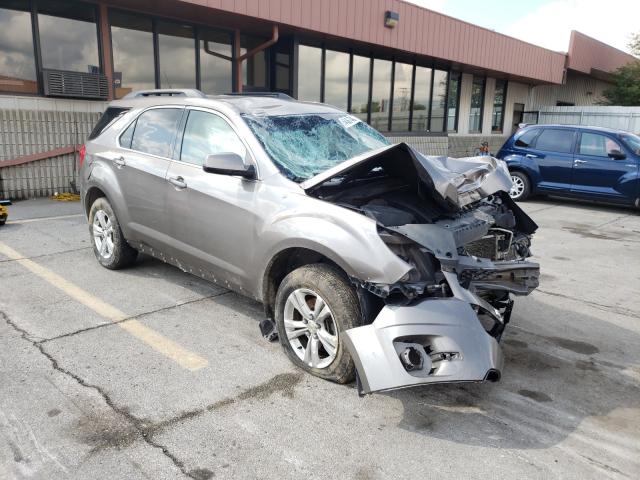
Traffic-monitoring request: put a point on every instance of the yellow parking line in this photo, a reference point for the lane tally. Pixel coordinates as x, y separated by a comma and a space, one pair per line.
168, 348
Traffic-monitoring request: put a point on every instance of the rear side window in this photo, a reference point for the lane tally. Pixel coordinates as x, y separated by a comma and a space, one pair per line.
527, 137
555, 140
596, 144
109, 115
205, 134
155, 130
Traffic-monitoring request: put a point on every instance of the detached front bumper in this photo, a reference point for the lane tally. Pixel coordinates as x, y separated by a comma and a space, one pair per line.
434, 341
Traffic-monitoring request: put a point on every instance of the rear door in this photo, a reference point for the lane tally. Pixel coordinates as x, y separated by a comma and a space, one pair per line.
146, 147
552, 152
596, 171
212, 216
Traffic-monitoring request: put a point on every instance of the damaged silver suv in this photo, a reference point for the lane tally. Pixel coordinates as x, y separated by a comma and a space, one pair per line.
371, 260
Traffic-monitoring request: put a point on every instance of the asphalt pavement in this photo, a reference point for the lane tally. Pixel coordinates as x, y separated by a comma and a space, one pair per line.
151, 373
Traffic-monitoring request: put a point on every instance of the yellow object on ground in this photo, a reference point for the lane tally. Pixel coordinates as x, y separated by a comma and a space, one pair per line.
4, 213
66, 197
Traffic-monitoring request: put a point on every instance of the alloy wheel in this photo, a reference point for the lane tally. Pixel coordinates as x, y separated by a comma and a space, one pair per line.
310, 328
517, 187
103, 234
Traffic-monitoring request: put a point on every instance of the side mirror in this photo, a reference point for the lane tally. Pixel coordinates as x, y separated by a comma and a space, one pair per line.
228, 163
617, 155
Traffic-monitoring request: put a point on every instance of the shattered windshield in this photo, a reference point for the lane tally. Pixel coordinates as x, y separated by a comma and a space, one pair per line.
304, 145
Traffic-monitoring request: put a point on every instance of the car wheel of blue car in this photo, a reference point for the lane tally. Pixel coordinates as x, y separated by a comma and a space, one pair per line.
521, 186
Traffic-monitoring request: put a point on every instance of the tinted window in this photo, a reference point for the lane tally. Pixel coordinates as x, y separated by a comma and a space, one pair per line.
401, 97
360, 87
438, 101
133, 68
499, 97
552, 140
309, 66
336, 79
596, 144
452, 102
127, 136
155, 130
632, 141
205, 134
177, 55
477, 102
68, 36
380, 91
17, 64
107, 117
527, 137
421, 99
215, 61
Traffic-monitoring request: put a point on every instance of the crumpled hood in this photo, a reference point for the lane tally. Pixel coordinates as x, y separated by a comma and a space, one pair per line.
458, 181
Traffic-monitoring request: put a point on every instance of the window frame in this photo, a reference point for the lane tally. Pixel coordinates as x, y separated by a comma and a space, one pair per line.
135, 120
250, 158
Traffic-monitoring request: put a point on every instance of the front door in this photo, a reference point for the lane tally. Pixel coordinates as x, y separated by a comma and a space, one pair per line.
553, 154
211, 216
600, 171
141, 169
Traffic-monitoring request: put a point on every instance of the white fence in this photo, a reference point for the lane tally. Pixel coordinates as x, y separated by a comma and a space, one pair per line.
619, 118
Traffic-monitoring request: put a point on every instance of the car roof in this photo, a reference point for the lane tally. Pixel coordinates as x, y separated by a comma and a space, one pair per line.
574, 127
262, 105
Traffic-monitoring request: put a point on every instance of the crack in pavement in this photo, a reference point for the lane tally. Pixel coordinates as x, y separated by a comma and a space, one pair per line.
135, 422
133, 317
600, 306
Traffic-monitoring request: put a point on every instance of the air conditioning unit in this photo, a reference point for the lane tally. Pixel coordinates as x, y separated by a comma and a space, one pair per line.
62, 83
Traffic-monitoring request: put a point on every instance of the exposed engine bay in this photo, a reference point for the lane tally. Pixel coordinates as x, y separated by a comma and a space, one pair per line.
467, 242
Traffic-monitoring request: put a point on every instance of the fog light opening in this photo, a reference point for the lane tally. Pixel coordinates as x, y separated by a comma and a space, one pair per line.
411, 359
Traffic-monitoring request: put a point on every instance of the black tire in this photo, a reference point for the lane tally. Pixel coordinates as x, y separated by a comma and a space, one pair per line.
525, 185
332, 287
122, 254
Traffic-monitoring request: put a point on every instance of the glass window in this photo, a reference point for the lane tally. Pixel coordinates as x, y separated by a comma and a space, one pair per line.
360, 87
302, 146
632, 141
155, 130
215, 62
177, 55
526, 138
283, 67
421, 99
254, 69
205, 134
336, 79
127, 136
499, 98
17, 64
477, 102
452, 101
133, 68
596, 144
109, 115
438, 102
68, 36
309, 67
380, 91
401, 97
555, 140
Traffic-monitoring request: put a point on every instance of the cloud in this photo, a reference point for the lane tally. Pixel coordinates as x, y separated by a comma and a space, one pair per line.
550, 25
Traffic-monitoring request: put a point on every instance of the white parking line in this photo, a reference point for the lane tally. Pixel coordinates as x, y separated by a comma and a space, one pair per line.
42, 219
168, 348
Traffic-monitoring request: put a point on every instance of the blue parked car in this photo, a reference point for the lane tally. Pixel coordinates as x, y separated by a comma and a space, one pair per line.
574, 161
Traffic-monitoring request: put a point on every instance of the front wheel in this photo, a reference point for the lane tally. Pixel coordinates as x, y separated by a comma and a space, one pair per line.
521, 186
315, 304
109, 245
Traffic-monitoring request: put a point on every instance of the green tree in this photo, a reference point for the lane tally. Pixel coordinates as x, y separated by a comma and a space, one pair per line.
625, 90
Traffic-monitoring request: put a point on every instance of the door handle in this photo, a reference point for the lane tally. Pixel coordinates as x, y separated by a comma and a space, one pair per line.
577, 161
178, 182
120, 162
531, 155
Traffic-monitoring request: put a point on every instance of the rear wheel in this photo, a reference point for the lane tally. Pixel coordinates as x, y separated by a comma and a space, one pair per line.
109, 245
315, 304
521, 186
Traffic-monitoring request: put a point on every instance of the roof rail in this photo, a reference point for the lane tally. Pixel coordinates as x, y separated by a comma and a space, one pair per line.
282, 96
166, 92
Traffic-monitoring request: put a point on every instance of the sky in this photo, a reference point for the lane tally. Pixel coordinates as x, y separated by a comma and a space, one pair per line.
548, 23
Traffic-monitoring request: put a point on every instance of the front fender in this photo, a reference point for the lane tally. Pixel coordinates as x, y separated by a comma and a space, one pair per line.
525, 165
347, 238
